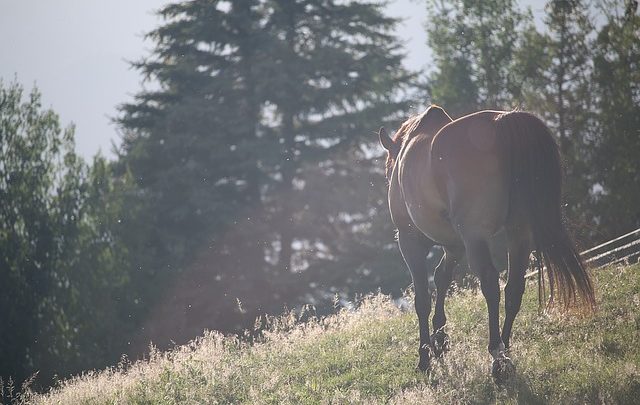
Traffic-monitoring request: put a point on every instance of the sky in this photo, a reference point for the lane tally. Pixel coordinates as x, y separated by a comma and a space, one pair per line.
77, 53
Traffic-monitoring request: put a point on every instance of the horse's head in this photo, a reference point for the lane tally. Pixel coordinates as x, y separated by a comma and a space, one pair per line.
429, 122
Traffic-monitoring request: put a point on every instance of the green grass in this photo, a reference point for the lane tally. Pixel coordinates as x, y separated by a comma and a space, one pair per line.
369, 355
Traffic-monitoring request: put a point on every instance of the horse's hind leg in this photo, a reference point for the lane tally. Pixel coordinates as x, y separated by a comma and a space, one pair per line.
443, 277
480, 263
519, 251
414, 247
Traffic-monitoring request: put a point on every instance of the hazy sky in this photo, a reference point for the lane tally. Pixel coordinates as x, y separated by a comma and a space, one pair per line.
76, 52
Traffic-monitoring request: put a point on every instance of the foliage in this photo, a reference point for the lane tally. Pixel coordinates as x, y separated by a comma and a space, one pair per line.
367, 356
617, 80
475, 46
567, 102
58, 266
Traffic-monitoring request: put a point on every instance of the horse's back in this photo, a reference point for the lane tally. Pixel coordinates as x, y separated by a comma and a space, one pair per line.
470, 164
473, 135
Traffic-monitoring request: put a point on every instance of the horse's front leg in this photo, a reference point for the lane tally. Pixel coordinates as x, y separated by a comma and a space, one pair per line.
414, 247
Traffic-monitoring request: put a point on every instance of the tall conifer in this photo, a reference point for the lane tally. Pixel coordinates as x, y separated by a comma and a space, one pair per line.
247, 157
616, 165
474, 47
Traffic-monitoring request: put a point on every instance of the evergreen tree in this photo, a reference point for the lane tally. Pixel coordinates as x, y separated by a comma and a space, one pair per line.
243, 160
567, 103
340, 71
475, 45
616, 80
194, 148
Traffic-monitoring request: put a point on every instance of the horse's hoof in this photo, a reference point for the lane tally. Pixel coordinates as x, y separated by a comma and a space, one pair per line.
502, 370
440, 343
424, 363
423, 366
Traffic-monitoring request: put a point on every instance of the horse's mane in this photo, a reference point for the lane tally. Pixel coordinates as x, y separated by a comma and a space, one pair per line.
408, 127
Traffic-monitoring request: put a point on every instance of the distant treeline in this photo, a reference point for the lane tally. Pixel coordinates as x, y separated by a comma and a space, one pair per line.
250, 179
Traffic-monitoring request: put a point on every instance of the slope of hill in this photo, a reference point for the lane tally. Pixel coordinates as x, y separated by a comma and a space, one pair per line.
368, 356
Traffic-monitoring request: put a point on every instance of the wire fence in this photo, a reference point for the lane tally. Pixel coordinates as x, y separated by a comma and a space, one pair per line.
623, 249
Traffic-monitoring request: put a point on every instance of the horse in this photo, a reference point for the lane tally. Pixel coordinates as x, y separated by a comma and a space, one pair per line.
456, 184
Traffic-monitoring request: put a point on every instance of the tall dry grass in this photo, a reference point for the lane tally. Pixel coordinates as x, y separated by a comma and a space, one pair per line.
368, 356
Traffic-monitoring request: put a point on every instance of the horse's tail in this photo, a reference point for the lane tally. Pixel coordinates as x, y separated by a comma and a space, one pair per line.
536, 183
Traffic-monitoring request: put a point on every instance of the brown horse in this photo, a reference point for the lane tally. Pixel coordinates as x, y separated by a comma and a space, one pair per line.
458, 183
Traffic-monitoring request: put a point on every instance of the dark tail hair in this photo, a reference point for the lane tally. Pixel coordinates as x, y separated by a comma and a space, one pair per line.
536, 182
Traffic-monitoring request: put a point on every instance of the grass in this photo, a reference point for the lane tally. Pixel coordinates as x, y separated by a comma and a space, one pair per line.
368, 356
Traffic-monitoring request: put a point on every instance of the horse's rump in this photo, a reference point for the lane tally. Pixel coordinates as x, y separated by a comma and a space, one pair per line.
470, 170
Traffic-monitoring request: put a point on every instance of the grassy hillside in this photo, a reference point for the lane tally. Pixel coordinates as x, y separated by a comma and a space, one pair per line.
368, 356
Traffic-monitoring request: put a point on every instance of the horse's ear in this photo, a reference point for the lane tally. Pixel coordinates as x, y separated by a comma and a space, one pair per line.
386, 141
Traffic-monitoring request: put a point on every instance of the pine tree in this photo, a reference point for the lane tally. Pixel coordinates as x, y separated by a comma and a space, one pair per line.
567, 103
475, 46
193, 147
245, 159
616, 165
340, 69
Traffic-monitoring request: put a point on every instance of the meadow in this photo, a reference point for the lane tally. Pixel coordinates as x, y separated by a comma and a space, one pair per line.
368, 355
